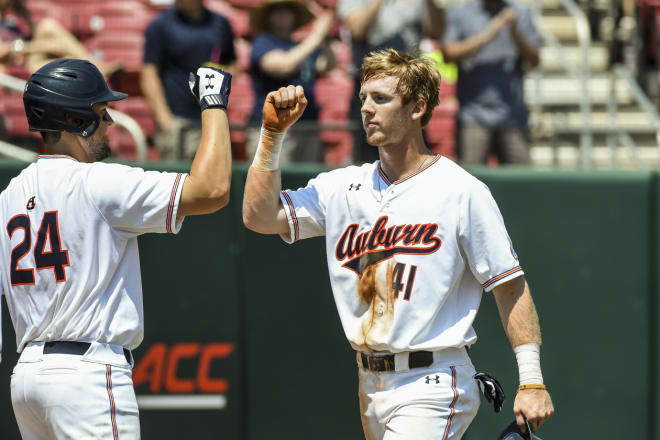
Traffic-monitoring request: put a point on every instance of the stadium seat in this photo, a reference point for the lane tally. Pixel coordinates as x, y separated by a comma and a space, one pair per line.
40, 9
124, 16
125, 47
158, 5
441, 129
137, 108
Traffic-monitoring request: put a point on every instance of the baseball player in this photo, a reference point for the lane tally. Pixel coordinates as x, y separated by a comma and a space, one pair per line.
412, 240
69, 264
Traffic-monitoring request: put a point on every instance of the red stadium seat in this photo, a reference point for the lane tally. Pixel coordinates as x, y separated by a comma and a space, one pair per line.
441, 129
137, 108
340, 151
121, 143
40, 9
158, 5
125, 47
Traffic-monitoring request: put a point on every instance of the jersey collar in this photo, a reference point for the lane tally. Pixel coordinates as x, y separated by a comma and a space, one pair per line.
56, 156
409, 176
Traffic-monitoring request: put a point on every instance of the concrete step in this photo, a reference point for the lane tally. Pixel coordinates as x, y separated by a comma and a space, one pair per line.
568, 157
563, 27
563, 90
557, 5
551, 61
637, 122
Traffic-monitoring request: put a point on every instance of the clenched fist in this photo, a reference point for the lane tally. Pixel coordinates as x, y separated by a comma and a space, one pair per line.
283, 107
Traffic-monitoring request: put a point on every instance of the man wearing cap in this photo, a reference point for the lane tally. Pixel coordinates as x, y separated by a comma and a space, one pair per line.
177, 42
277, 61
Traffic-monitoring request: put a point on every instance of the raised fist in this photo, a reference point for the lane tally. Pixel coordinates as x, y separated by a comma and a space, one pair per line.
283, 107
211, 87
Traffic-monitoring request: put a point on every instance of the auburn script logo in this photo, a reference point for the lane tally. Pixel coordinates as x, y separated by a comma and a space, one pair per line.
382, 242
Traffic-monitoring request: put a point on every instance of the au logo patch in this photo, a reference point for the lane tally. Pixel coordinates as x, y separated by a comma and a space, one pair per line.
30, 204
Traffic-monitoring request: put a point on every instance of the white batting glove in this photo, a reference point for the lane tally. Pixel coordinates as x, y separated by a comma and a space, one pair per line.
211, 87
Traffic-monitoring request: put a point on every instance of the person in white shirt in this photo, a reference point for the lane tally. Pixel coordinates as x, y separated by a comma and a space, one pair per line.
70, 268
412, 240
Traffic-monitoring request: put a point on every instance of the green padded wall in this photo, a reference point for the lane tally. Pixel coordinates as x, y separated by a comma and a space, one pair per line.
583, 240
588, 243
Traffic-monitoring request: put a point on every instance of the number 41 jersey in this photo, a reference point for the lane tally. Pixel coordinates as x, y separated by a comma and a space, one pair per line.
69, 258
408, 260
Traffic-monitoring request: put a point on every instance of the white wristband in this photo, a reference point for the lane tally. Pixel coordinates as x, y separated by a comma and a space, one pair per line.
529, 363
267, 156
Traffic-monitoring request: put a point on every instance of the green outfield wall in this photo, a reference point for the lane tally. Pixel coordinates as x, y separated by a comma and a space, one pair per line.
243, 340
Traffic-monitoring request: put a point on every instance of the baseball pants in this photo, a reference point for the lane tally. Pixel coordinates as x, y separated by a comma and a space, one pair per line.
436, 402
68, 396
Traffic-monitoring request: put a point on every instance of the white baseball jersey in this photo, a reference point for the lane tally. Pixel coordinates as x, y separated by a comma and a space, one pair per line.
69, 252
437, 236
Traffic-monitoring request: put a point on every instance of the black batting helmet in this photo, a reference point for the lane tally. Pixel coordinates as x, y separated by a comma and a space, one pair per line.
66, 87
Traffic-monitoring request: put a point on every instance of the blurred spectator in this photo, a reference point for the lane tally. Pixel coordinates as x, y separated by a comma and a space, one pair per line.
490, 40
178, 41
277, 61
622, 26
379, 24
22, 43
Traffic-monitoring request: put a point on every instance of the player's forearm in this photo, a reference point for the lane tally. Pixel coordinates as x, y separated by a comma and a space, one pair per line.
261, 202
517, 312
211, 167
528, 52
434, 22
282, 64
359, 21
454, 52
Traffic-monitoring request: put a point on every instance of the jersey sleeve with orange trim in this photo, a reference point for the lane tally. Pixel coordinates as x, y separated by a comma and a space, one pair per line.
484, 239
305, 209
135, 201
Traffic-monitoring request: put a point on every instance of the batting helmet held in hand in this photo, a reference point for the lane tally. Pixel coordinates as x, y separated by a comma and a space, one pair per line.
59, 97
513, 432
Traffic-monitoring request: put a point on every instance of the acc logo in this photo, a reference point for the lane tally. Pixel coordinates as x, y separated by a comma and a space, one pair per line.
159, 366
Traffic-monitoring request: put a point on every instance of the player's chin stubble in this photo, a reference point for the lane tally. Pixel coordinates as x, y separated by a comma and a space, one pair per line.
100, 150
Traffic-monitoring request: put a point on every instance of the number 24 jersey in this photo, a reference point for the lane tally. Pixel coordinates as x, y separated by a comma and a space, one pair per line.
70, 268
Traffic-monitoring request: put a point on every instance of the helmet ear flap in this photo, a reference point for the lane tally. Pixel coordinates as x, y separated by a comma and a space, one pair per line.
38, 112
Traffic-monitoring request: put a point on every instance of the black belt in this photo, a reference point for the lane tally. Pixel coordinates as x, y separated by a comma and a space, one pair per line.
74, 347
416, 359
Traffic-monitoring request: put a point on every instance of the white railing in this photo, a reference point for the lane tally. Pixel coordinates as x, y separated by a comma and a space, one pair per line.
623, 73
584, 38
582, 73
122, 119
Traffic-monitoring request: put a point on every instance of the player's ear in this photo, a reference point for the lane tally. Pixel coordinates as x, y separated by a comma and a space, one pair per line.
418, 109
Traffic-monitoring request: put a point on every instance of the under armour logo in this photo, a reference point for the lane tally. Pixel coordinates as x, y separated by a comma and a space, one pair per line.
30, 203
209, 85
356, 186
437, 379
